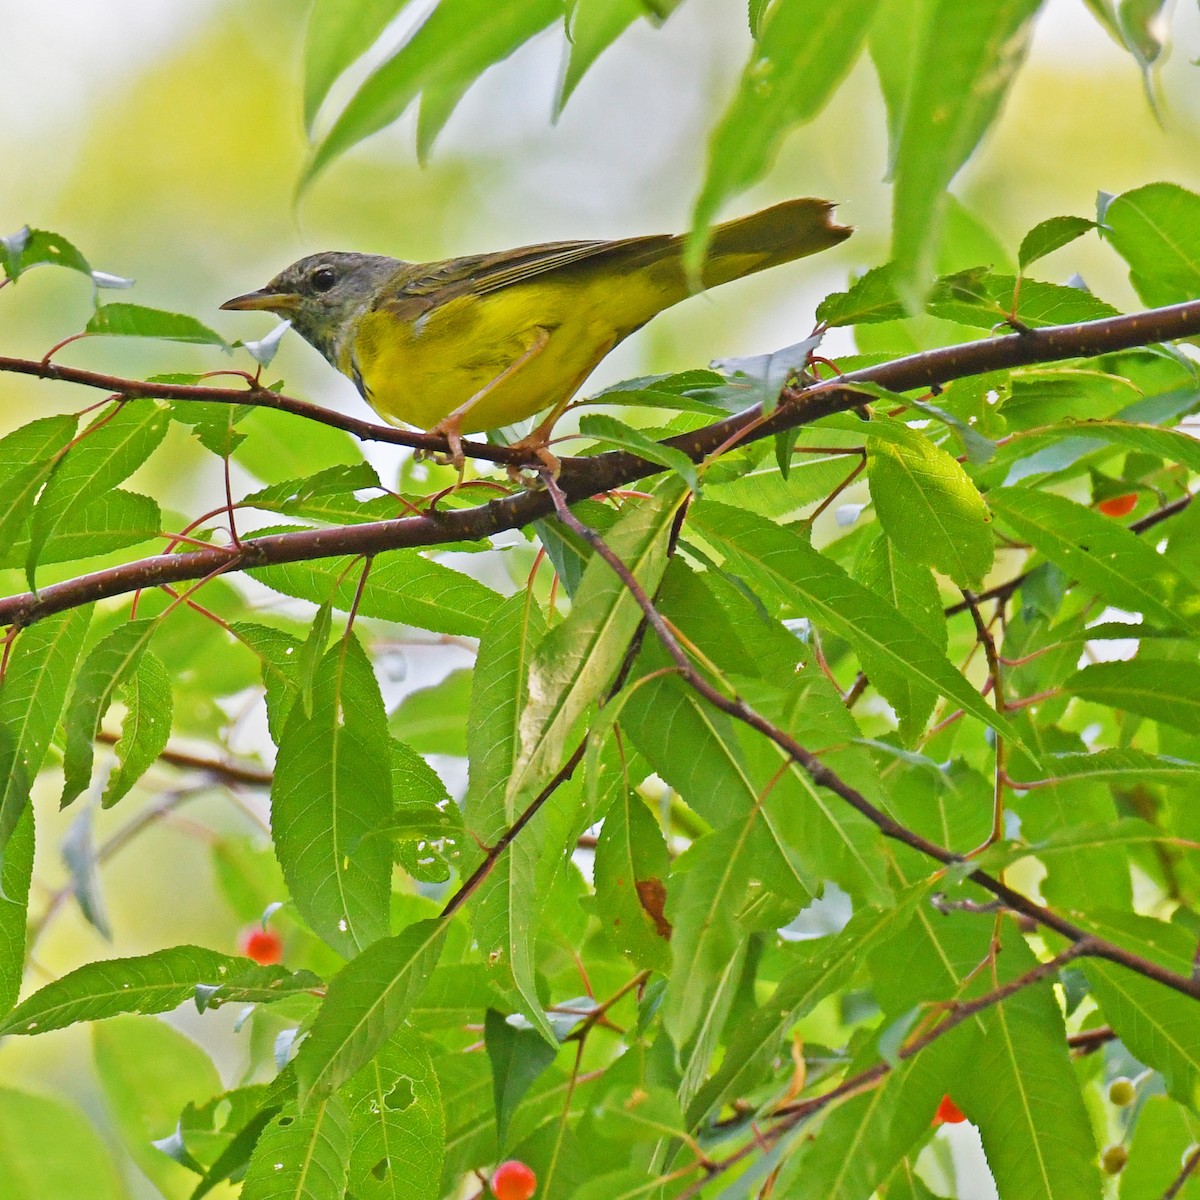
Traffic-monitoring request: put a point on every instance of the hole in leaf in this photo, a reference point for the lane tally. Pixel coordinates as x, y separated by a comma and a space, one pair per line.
381, 1168
401, 1096
284, 1122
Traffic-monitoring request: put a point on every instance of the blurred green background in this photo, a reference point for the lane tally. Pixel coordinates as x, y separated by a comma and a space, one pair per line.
165, 141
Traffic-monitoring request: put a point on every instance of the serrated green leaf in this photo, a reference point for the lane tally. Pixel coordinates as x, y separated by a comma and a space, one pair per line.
609, 431
804, 51
964, 59
332, 788
1156, 230
1101, 554
32, 694
16, 874
908, 585
367, 1001
112, 521
1022, 1072
396, 1124
109, 664
1050, 235
104, 455
27, 457
37, 247
146, 727
1121, 765
1163, 1137
149, 983
928, 505
402, 586
578, 658
302, 1155
1157, 1024
135, 320
630, 875
797, 574
427, 826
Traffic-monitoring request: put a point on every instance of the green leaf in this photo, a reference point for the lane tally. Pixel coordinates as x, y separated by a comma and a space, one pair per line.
112, 521
964, 59
256, 984
1164, 1135
1156, 230
1050, 235
577, 659
427, 825
49, 1151
795, 573
396, 1124
518, 1057
804, 51
1023, 1071
109, 664
1122, 765
433, 720
455, 44
592, 26
927, 503
1158, 1025
708, 887
872, 297
108, 451
149, 983
35, 247
149, 1073
1103, 555
609, 431
630, 875
401, 586
818, 970
337, 36
135, 320
910, 587
27, 457
332, 788
147, 725
302, 1156
34, 688
16, 874
367, 1001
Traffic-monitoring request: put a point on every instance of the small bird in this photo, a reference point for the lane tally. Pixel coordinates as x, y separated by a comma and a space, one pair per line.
470, 344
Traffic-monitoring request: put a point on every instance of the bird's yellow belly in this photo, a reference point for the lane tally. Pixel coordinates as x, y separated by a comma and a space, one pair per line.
419, 372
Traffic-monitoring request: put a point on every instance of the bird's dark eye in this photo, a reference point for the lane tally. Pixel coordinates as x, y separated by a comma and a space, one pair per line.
323, 278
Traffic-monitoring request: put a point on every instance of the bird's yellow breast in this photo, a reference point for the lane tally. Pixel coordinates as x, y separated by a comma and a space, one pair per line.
418, 371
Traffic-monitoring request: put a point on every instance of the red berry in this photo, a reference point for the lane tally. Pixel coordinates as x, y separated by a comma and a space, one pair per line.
263, 945
513, 1180
948, 1113
1118, 506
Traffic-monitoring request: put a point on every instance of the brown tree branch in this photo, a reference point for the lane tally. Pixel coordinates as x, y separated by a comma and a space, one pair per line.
581, 477
824, 776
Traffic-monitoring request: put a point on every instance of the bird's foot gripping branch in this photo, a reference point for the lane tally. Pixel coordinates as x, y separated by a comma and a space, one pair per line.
816, 737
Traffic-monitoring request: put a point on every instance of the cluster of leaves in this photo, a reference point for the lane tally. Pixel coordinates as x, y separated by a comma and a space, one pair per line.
650, 953
944, 67
608, 953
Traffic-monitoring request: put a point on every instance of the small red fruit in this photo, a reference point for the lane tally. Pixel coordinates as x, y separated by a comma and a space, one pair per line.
513, 1180
1118, 506
948, 1113
263, 945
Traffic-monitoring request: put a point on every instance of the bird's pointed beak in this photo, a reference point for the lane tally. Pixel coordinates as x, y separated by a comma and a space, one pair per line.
264, 300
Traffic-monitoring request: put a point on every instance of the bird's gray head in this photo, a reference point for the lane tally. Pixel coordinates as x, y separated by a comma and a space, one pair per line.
322, 295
